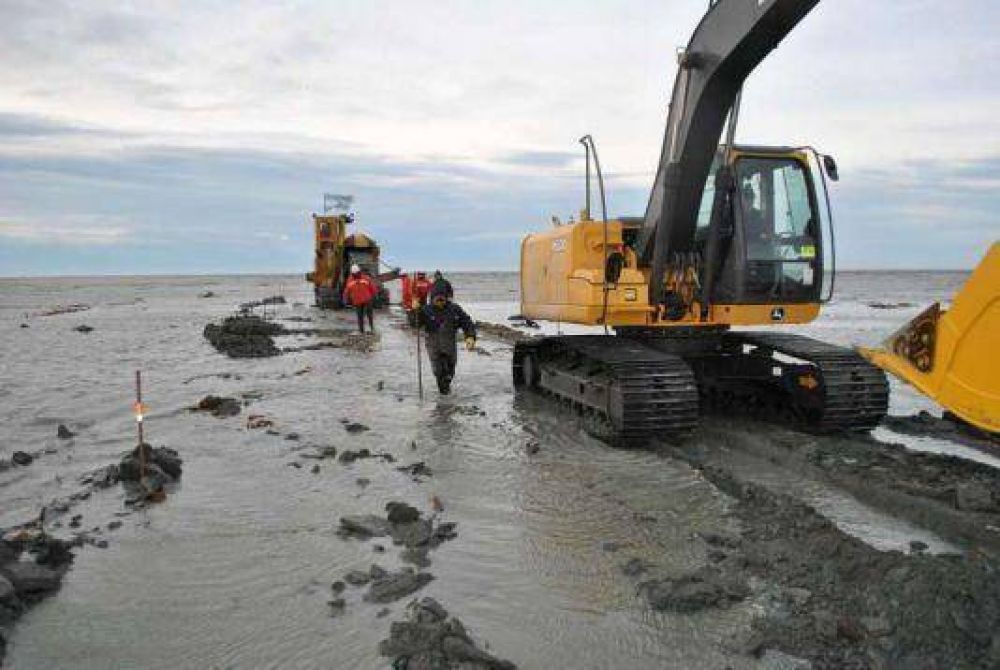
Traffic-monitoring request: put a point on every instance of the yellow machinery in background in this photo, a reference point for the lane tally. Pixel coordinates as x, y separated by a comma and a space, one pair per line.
336, 252
953, 356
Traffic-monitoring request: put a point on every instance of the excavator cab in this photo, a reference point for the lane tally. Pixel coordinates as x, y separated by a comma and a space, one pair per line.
771, 240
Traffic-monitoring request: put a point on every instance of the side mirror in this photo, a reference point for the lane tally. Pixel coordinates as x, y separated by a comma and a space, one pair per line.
830, 166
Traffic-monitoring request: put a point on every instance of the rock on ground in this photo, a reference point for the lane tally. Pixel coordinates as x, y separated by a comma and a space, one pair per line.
218, 406
701, 589
163, 466
430, 638
64, 433
244, 336
395, 585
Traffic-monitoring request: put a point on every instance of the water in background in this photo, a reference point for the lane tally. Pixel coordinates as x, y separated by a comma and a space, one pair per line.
234, 569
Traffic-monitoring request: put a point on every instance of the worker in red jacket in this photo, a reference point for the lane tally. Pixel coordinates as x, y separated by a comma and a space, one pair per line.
360, 291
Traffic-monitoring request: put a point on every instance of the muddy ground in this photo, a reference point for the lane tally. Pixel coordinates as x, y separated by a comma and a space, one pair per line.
819, 593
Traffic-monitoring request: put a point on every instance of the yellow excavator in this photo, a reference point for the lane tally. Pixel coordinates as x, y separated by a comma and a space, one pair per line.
732, 236
952, 356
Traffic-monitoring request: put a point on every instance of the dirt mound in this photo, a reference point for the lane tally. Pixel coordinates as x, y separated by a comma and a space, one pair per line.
244, 336
925, 424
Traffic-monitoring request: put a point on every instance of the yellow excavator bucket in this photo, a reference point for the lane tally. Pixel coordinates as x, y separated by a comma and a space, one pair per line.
953, 356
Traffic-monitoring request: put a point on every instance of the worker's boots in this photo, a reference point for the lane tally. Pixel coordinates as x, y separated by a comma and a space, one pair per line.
444, 385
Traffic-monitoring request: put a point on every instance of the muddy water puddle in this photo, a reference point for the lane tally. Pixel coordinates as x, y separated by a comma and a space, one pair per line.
234, 570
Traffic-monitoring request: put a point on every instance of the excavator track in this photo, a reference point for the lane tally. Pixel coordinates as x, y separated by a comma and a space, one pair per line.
625, 392
827, 388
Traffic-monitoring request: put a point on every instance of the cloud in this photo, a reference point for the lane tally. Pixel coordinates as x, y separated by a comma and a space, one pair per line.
192, 127
73, 230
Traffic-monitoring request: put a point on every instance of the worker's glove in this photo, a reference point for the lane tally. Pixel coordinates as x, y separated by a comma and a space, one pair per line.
470, 343
415, 303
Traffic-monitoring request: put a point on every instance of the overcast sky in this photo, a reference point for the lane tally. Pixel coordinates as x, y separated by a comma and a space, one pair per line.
196, 137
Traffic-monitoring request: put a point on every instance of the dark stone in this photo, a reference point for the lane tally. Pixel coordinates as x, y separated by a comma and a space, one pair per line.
610, 547
699, 590
244, 336
357, 578
83, 328
161, 462
532, 447
292, 437
338, 586
337, 606
21, 458
364, 525
314, 470
418, 469
376, 572
114, 525
32, 579
916, 546
76, 521
356, 427
362, 481
101, 544
219, 406
400, 512
397, 585
64, 433
430, 638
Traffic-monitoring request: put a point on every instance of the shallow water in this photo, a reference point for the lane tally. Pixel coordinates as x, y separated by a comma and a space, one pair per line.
234, 569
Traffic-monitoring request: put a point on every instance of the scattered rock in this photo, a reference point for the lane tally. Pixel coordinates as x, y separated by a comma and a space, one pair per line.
357, 578
292, 437
704, 588
31, 579
206, 294
257, 421
378, 548
83, 328
394, 586
430, 638
21, 458
349, 456
321, 454
610, 547
218, 406
416, 470
64, 433
364, 526
114, 525
916, 546
532, 447
244, 336
356, 428
76, 521
314, 469
161, 462
338, 586
362, 481
382, 613
337, 606
400, 512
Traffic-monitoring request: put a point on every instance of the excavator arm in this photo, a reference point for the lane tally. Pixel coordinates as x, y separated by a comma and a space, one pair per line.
731, 40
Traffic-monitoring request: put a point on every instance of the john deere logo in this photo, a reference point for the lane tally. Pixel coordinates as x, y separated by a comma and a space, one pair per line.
778, 314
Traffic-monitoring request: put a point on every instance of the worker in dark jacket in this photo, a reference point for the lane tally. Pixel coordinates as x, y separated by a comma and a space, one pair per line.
360, 291
441, 319
445, 285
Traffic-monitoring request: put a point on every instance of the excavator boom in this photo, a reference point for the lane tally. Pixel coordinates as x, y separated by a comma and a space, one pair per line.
731, 40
